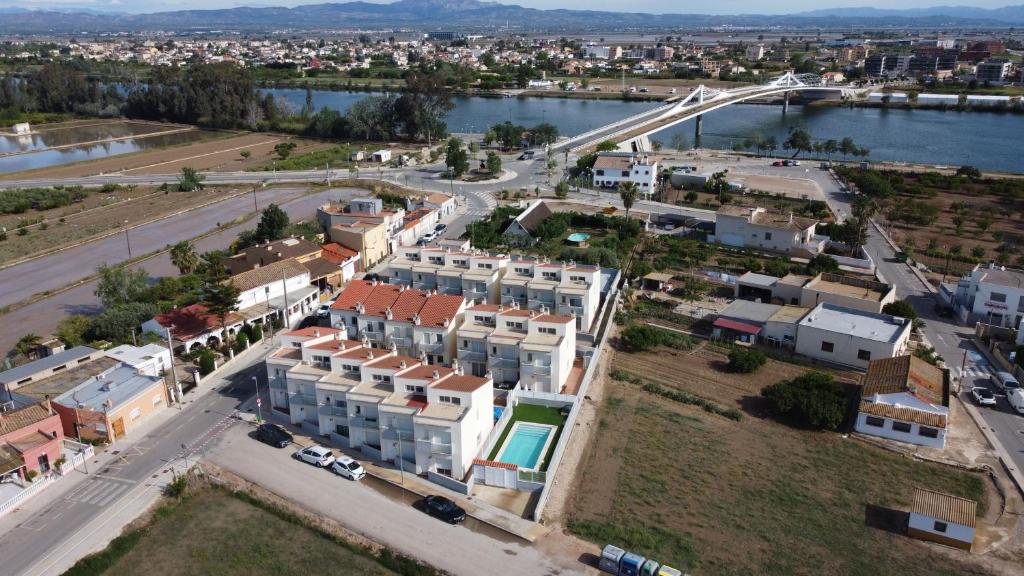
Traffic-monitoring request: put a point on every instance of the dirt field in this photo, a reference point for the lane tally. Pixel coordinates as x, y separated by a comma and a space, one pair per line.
98, 214
214, 533
710, 495
219, 153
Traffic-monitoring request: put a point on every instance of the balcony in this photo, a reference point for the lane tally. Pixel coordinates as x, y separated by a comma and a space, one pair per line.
467, 355
503, 363
302, 399
570, 310
430, 347
400, 341
435, 446
375, 335
508, 299
363, 422
278, 384
535, 369
424, 285
475, 294
333, 411
535, 303
451, 290
392, 433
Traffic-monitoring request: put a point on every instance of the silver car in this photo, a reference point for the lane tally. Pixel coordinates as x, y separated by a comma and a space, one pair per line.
348, 467
983, 396
316, 455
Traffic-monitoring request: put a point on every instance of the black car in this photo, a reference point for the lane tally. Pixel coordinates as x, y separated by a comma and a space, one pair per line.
274, 435
444, 509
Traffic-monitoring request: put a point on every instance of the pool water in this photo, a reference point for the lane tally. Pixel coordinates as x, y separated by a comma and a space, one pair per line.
525, 445
578, 237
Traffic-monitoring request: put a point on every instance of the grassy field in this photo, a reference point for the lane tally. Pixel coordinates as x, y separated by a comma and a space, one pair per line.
213, 532
710, 495
532, 413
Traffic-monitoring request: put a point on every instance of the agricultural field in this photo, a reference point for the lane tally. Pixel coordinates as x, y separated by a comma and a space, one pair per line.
703, 492
213, 532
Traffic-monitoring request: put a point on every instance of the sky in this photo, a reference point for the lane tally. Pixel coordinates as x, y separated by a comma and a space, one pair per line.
655, 6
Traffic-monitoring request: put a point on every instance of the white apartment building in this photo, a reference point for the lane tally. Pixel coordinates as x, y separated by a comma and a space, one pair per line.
745, 227
414, 322
515, 345
614, 168
992, 294
393, 407
905, 399
851, 337
755, 52
562, 288
475, 276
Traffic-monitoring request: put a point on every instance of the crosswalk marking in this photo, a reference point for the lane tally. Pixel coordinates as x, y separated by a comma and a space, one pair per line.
99, 491
975, 372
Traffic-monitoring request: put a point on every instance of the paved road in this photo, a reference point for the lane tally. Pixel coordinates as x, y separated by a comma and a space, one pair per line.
379, 512
60, 269
37, 544
42, 317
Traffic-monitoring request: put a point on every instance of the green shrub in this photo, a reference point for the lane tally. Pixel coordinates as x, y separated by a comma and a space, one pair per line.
207, 362
814, 400
676, 395
255, 332
641, 337
241, 342
746, 360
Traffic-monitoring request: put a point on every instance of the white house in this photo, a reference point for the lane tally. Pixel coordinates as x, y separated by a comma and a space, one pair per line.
943, 518
443, 203
746, 227
151, 359
849, 337
614, 168
992, 294
282, 285
563, 288
905, 399
434, 419
938, 99
21, 129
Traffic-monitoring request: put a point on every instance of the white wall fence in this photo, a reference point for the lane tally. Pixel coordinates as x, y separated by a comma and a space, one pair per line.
83, 452
498, 476
501, 424
451, 483
29, 491
371, 452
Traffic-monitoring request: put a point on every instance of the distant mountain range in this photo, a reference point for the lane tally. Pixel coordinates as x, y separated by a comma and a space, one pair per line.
476, 15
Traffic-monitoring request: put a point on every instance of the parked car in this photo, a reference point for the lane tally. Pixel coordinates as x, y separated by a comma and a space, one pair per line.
1016, 399
443, 509
527, 155
429, 237
983, 396
348, 467
440, 228
778, 163
316, 455
325, 310
273, 435
1005, 382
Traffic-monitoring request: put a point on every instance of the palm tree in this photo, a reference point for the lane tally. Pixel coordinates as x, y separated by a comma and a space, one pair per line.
628, 192
26, 346
184, 257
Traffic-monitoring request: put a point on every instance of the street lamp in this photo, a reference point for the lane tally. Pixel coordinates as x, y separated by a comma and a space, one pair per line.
259, 413
127, 241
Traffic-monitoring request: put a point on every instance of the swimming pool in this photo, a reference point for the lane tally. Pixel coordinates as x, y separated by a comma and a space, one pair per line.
526, 444
578, 237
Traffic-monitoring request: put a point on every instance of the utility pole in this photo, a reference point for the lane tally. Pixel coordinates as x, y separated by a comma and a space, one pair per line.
174, 372
255, 207
328, 174
259, 413
126, 240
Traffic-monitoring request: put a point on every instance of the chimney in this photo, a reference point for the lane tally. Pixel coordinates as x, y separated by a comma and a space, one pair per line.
49, 407
435, 374
401, 365
316, 332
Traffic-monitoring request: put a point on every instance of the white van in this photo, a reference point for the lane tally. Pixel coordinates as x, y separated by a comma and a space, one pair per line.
1005, 382
1016, 399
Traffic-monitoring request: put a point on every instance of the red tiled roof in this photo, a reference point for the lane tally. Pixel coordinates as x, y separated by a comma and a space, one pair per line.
494, 464
338, 254
362, 353
438, 198
381, 298
354, 293
485, 308
192, 321
462, 383
394, 362
554, 318
426, 372
737, 326
904, 414
407, 304
439, 308
337, 345
517, 313
312, 332
23, 418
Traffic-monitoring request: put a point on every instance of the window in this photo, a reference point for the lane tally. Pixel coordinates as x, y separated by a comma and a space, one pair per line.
340, 404
381, 378
767, 235
59, 368
927, 432
485, 266
827, 347
875, 421
450, 400
546, 330
941, 526
136, 412
901, 427
157, 399
997, 297
25, 381
599, 172
341, 430
414, 389
863, 355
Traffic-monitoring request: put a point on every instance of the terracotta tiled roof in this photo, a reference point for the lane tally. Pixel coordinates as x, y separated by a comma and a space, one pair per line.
321, 267
904, 374
426, 372
383, 296
945, 507
354, 293
439, 308
394, 362
554, 318
485, 308
266, 274
337, 345
438, 198
312, 332
265, 254
193, 321
338, 254
903, 414
29, 441
22, 418
517, 313
407, 304
494, 464
462, 383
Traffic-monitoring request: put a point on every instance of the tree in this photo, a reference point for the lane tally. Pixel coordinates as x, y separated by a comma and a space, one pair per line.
221, 298
184, 257
245, 154
799, 141
900, 308
284, 149
207, 362
190, 179
272, 225
822, 263
628, 192
607, 146
718, 185
813, 400
493, 163
562, 190
456, 158
117, 323
72, 329
746, 360
690, 197
544, 133
969, 171
26, 345
118, 285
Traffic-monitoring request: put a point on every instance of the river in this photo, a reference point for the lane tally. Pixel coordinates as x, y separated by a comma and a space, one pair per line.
988, 140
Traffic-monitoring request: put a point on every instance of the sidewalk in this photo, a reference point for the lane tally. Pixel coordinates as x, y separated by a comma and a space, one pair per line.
410, 482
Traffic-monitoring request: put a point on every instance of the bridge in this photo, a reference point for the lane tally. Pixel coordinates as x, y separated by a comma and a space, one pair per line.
631, 134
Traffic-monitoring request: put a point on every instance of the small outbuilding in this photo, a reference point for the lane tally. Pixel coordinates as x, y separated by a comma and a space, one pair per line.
943, 518
657, 281
21, 129
382, 156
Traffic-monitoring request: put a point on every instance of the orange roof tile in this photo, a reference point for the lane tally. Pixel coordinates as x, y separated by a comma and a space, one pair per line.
407, 304
486, 308
426, 372
312, 332
354, 293
337, 345
517, 313
381, 297
439, 308
904, 414
462, 383
554, 318
394, 362
494, 464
